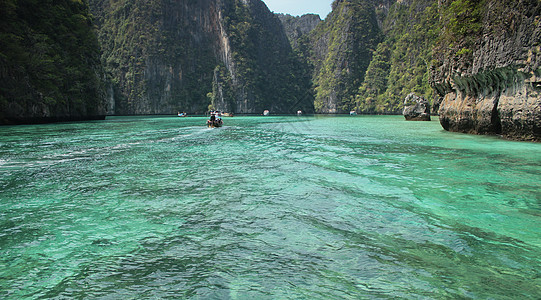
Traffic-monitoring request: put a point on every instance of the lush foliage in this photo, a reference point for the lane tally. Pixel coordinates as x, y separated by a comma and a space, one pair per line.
49, 60
156, 65
163, 59
462, 22
357, 66
271, 75
464, 17
125, 34
350, 34
160, 59
401, 64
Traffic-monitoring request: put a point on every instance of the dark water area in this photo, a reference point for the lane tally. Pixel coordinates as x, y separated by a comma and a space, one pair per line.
267, 208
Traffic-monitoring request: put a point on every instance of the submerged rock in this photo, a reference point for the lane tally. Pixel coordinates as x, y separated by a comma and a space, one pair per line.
416, 108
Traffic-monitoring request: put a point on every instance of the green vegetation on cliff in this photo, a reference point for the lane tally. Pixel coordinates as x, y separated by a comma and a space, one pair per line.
273, 76
168, 56
401, 64
157, 60
49, 62
487, 67
342, 48
368, 55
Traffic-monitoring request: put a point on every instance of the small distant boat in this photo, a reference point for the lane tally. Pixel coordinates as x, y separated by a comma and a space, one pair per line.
352, 113
228, 114
266, 112
299, 112
182, 114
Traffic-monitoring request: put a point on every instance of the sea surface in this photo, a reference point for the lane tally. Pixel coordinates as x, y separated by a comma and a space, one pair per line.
315, 207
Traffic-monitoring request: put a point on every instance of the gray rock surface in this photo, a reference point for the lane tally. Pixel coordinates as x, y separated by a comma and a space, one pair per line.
298, 27
416, 108
180, 54
493, 86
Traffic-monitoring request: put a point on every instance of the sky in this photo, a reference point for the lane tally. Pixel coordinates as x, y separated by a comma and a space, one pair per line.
300, 7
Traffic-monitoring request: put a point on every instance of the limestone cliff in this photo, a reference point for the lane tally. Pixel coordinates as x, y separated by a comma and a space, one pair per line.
264, 72
159, 54
341, 50
298, 27
368, 55
49, 63
487, 69
399, 65
168, 56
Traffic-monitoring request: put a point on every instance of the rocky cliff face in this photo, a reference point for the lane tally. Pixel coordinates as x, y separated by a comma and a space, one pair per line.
169, 56
341, 50
368, 55
399, 65
416, 108
159, 54
488, 68
264, 71
298, 27
49, 63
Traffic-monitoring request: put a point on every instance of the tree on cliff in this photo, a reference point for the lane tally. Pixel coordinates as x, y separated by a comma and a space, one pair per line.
401, 63
165, 56
49, 60
369, 54
341, 50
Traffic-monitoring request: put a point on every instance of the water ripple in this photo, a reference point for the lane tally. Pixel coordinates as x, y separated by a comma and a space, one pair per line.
266, 208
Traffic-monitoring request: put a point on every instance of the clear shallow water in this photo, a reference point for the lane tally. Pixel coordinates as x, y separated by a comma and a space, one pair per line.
267, 208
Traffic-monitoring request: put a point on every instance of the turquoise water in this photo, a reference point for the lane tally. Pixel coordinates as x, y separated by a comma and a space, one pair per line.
267, 208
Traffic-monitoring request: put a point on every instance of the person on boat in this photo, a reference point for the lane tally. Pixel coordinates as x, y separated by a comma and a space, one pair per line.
212, 121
